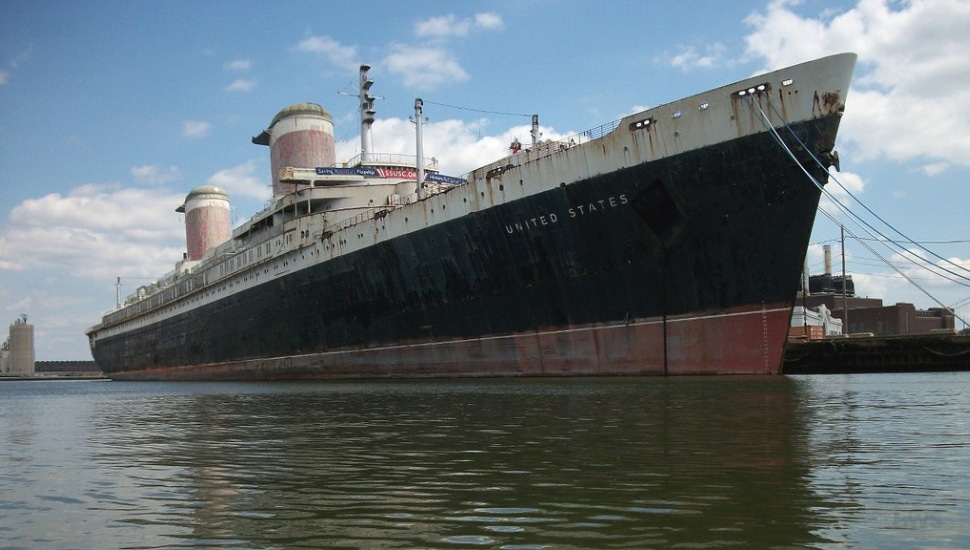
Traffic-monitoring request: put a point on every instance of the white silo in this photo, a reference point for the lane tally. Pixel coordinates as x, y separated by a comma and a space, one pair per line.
207, 219
21, 358
300, 136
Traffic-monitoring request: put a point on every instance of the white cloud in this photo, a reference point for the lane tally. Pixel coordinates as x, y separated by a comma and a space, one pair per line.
847, 182
488, 20
239, 65
154, 174
910, 98
341, 56
195, 129
917, 265
14, 64
101, 207
445, 25
25, 303
242, 85
24, 56
935, 168
240, 181
424, 68
840, 190
99, 231
688, 58
448, 25
9, 265
96, 231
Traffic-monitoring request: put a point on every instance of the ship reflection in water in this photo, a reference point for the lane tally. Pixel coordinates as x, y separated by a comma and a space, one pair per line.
752, 462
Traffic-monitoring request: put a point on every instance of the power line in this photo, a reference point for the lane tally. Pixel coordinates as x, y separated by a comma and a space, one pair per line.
475, 110
959, 241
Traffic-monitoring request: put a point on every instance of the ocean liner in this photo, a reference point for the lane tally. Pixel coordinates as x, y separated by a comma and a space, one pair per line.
669, 242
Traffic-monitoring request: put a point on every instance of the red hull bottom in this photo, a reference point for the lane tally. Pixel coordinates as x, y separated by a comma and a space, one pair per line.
741, 341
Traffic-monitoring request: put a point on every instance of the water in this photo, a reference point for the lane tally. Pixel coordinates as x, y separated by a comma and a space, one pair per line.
874, 461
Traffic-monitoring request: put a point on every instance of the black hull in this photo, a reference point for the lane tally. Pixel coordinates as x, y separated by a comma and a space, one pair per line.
724, 228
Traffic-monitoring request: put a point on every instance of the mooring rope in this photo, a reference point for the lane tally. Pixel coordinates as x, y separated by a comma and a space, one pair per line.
766, 122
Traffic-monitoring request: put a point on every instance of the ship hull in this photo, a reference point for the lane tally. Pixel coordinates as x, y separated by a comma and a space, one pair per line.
665, 263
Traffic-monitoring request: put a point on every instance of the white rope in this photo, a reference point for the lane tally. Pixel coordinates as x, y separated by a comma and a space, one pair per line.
774, 133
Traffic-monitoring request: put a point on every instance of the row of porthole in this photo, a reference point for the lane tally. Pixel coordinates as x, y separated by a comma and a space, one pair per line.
501, 187
181, 304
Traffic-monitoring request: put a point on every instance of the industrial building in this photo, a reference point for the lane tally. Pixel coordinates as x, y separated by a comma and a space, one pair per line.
17, 353
833, 296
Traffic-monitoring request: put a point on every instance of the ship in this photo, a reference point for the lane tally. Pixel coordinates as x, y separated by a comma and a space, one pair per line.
668, 242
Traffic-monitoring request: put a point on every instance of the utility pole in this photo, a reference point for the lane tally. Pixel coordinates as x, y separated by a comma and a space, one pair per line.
845, 300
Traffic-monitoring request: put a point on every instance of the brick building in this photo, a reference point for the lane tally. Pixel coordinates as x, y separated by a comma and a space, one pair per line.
835, 295
869, 315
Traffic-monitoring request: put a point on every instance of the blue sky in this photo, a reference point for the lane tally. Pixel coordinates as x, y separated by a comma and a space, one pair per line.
111, 111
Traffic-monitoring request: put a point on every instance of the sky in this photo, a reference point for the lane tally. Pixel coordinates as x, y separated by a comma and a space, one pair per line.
112, 111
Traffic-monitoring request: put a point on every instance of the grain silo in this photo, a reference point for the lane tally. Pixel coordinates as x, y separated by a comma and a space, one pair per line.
21, 358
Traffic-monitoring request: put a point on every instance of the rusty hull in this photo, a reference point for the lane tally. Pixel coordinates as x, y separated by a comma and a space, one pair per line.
744, 341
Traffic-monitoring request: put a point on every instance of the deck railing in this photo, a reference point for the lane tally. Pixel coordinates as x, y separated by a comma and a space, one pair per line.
544, 149
391, 159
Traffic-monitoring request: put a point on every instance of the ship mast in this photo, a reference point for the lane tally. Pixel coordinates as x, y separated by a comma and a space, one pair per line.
419, 153
367, 113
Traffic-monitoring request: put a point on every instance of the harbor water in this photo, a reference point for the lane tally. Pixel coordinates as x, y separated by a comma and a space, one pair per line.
835, 461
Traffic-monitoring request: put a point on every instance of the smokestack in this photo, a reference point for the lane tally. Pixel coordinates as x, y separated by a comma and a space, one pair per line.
828, 259
300, 136
207, 220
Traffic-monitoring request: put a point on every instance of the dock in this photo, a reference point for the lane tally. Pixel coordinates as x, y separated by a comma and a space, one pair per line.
57, 370
878, 354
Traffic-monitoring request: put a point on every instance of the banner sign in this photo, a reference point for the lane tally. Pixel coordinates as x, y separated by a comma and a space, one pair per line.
373, 172
367, 172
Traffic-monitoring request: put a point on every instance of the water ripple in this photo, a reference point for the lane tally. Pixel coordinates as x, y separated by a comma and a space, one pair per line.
775, 462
